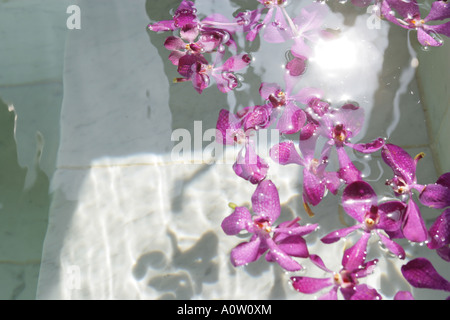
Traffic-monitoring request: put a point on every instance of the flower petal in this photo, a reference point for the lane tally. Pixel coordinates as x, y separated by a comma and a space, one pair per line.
440, 10
427, 38
338, 234
239, 220
420, 273
313, 188
403, 295
285, 153
347, 170
437, 195
370, 147
364, 292
245, 252
413, 225
355, 256
310, 285
236, 62
292, 119
392, 246
250, 166
406, 9
282, 258
401, 163
357, 199
440, 231
266, 201
228, 127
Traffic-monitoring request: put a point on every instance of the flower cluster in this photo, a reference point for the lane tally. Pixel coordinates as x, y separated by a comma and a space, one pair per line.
317, 130
195, 40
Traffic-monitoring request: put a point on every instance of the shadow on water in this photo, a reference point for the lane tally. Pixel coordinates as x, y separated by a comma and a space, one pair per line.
23, 215
181, 275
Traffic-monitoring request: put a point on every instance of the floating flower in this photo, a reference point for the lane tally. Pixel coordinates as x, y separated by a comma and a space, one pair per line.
316, 180
360, 202
341, 125
282, 242
346, 280
411, 19
403, 182
195, 69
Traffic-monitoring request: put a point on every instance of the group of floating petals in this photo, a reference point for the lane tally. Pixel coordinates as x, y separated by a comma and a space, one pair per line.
308, 116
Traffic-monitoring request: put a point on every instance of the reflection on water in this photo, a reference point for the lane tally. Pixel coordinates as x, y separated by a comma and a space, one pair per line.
135, 225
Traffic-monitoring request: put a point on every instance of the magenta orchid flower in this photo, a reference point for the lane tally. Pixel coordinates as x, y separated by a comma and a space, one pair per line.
360, 201
403, 182
420, 273
273, 18
232, 129
440, 235
195, 69
346, 280
410, 18
316, 180
341, 125
282, 242
249, 166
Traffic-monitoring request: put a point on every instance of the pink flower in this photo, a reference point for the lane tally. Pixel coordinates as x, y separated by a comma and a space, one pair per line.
281, 243
361, 203
410, 18
346, 280
403, 182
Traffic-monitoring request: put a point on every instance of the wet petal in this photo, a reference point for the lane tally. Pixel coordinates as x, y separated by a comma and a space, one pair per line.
225, 81
236, 62
338, 234
250, 166
364, 292
174, 43
392, 246
444, 253
292, 119
355, 256
440, 10
227, 127
351, 117
245, 252
400, 162
426, 38
440, 231
279, 256
285, 153
413, 225
357, 199
403, 295
313, 188
267, 89
437, 195
391, 214
277, 31
294, 246
420, 273
296, 66
370, 147
310, 285
266, 201
239, 220
330, 295
347, 170
319, 262
406, 9
164, 25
